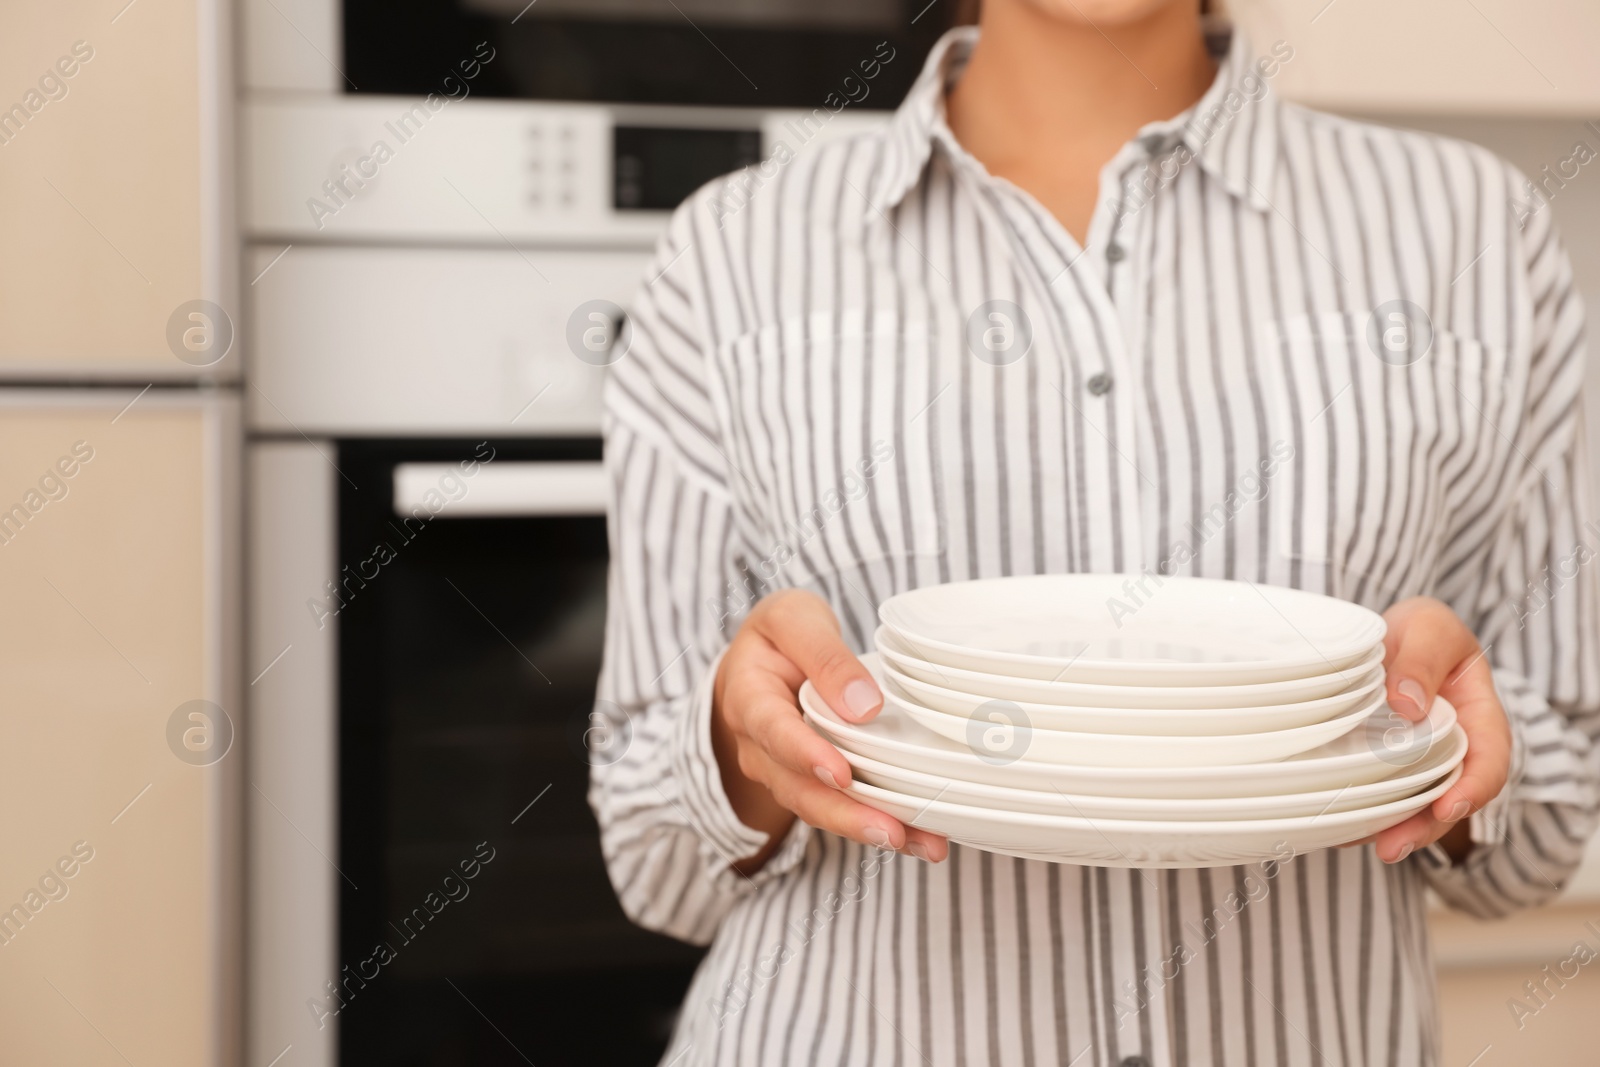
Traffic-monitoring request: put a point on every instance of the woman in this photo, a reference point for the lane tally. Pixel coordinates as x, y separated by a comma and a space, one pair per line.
1096, 300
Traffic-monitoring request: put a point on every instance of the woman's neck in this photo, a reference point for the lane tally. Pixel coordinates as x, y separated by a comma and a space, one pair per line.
1046, 101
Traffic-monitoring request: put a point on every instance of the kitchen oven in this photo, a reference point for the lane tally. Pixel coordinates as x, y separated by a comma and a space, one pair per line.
434, 194
475, 922
427, 885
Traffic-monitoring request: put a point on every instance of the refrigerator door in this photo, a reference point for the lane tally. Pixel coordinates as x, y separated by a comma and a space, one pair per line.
114, 198
119, 768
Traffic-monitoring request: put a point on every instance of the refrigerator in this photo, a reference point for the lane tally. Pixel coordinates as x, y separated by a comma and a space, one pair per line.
119, 537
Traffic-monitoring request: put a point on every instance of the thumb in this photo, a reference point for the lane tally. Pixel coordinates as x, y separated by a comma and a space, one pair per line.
1423, 646
802, 627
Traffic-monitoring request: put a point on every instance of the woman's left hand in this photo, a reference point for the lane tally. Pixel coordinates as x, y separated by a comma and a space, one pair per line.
1429, 651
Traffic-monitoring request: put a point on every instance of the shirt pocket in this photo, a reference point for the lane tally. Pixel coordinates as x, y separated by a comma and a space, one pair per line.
1382, 448
828, 417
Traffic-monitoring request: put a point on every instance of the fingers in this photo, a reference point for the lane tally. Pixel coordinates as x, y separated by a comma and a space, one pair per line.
1425, 643
1483, 771
1488, 761
1402, 839
1431, 652
1482, 778
803, 628
1470, 689
926, 845
833, 811
805, 774
771, 720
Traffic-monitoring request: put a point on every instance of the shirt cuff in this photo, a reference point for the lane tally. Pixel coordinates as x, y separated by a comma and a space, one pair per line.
724, 840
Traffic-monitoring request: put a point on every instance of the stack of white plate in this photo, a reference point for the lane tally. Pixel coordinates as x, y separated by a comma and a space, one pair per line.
1130, 721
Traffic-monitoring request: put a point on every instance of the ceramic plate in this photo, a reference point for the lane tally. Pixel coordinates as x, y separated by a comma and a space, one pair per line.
1145, 843
1383, 745
1439, 761
1000, 687
1112, 629
1003, 731
1167, 721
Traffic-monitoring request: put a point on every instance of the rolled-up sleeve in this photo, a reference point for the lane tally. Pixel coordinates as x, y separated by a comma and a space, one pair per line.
1537, 613
675, 593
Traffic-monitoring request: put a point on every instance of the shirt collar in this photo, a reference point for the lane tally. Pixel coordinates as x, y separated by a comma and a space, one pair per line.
1232, 131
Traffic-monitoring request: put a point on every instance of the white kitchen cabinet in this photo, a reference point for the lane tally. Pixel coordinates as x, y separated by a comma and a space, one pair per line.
1483, 57
115, 170
117, 605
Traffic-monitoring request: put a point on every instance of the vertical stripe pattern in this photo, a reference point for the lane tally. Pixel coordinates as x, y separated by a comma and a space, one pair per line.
1214, 382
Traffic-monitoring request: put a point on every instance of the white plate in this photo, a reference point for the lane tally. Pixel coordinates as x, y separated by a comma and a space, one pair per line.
1113, 629
1383, 744
1144, 843
1000, 687
1439, 761
1168, 721
1003, 732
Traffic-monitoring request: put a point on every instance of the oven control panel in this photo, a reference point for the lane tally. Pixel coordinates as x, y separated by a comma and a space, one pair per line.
439, 271
392, 169
492, 172
552, 170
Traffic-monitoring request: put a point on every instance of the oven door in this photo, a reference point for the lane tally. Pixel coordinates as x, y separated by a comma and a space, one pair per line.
732, 53
473, 582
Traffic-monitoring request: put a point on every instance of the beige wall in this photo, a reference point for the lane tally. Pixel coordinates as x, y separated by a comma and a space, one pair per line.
1464, 57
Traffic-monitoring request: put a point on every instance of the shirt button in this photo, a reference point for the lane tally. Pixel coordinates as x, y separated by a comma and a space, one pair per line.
1154, 143
1100, 384
1114, 253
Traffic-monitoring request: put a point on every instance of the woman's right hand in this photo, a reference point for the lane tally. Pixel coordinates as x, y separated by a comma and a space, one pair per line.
774, 766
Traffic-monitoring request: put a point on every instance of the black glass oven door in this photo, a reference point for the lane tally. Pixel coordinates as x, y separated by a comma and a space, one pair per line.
476, 922
724, 53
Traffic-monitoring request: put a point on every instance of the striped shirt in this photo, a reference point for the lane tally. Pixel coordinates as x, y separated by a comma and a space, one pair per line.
872, 366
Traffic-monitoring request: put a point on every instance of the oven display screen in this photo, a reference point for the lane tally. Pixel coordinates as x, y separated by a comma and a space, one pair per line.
656, 168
